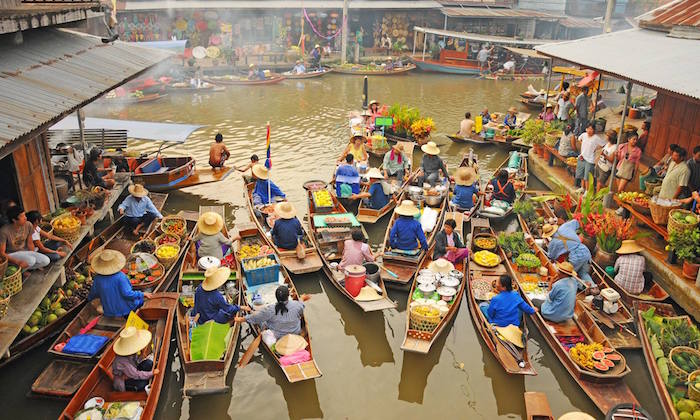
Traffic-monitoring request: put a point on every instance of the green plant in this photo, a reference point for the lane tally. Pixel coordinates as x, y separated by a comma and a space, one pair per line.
525, 209
639, 101
533, 132
686, 244
588, 205
209, 341
513, 243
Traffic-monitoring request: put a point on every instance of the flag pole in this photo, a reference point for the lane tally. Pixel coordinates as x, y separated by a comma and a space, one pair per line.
268, 163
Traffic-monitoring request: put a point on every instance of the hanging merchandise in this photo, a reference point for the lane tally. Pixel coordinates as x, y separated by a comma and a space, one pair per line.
327, 37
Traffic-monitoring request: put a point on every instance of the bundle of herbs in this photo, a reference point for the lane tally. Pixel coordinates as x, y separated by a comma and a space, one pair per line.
513, 244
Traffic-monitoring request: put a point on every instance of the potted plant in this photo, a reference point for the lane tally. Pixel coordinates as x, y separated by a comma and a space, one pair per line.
612, 230
635, 104
686, 245
534, 133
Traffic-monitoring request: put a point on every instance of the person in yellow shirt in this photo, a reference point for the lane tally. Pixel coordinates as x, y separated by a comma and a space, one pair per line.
356, 148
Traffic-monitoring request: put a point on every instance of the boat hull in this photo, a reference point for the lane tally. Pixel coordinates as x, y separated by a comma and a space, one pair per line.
447, 68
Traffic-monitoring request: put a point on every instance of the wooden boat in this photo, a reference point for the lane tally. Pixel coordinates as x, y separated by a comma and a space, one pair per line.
203, 376
311, 262
605, 389
532, 104
519, 180
330, 240
307, 75
183, 87
122, 100
652, 293
296, 372
537, 406
401, 70
165, 173
476, 139
514, 76
158, 312
513, 360
232, 80
421, 341
451, 62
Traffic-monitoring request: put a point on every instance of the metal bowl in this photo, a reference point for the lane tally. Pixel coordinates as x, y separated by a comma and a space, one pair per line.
433, 200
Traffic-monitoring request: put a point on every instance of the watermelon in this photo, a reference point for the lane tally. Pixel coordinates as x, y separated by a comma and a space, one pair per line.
601, 366
608, 362
614, 357
598, 355
607, 350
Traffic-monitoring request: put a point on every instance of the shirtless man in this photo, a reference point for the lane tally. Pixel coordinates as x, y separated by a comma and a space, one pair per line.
218, 153
466, 126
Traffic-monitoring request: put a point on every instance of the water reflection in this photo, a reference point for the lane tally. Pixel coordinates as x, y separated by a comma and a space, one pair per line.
416, 368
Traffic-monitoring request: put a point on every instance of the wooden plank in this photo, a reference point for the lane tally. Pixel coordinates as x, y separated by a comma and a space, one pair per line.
206, 176
537, 406
61, 378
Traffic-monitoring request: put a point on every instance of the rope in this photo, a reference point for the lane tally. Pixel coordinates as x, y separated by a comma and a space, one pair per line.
329, 37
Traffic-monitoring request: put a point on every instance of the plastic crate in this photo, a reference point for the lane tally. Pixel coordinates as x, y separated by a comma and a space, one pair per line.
269, 274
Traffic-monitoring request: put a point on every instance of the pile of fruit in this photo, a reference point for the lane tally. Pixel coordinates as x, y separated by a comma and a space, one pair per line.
637, 198
138, 94
146, 246
582, 354
137, 274
528, 262
572, 161
485, 242
167, 252
688, 409
253, 250
686, 361
173, 226
259, 263
65, 223
486, 259
684, 218
427, 311
605, 359
167, 239
322, 198
10, 270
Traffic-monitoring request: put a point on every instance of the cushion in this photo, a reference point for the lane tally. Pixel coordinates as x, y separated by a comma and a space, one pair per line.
88, 344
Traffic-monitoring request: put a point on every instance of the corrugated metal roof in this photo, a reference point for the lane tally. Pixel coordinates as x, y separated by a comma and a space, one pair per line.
279, 4
525, 52
487, 12
667, 63
675, 13
482, 38
580, 23
55, 71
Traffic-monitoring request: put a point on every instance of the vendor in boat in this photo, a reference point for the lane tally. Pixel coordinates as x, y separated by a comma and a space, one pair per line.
282, 318
449, 245
52, 247
355, 251
374, 107
218, 153
347, 180
379, 191
466, 126
389, 65
485, 116
299, 68
507, 306
630, 267
260, 193
94, 172
510, 120
112, 286
407, 232
210, 239
503, 189
356, 148
131, 370
395, 163
209, 304
548, 114
254, 73
566, 245
287, 231
432, 165
138, 209
315, 56
466, 188
561, 299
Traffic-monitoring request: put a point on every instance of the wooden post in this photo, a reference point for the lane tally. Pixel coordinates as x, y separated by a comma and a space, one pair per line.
425, 41
549, 80
415, 35
608, 200
607, 22
81, 129
344, 36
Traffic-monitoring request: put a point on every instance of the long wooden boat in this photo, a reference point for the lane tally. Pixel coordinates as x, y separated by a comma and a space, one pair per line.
203, 376
519, 180
159, 313
514, 76
311, 262
172, 272
532, 104
467, 68
231, 80
252, 235
401, 70
163, 173
475, 139
513, 360
537, 406
184, 87
330, 241
652, 293
605, 389
307, 75
146, 98
421, 341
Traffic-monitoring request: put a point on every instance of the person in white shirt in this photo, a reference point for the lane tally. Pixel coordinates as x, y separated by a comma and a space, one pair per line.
590, 143
509, 66
607, 156
299, 68
483, 56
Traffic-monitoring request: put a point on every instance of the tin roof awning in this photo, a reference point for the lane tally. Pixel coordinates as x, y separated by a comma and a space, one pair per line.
525, 52
279, 4
496, 13
481, 38
53, 72
142, 130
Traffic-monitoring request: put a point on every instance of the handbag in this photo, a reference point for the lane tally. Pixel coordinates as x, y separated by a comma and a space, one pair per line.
625, 170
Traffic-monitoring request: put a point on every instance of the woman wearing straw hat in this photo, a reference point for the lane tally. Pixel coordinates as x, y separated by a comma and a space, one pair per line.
254, 73
282, 318
379, 191
356, 148
112, 286
210, 237
466, 188
130, 373
510, 120
287, 230
506, 307
262, 184
566, 245
630, 267
209, 304
395, 163
407, 232
431, 165
138, 209
449, 245
561, 299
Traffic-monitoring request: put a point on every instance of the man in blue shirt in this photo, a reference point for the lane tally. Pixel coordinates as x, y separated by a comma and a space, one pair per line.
561, 300
138, 210
566, 245
510, 120
112, 286
260, 192
378, 197
407, 232
209, 303
287, 231
506, 307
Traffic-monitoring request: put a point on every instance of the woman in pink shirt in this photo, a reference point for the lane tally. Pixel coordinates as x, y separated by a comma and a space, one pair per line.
356, 251
628, 157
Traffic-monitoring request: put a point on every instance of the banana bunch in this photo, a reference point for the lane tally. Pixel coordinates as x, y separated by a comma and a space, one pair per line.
486, 259
249, 251
260, 263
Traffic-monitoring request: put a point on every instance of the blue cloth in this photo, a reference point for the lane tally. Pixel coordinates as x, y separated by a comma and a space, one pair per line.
287, 232
260, 191
88, 344
510, 120
503, 192
406, 233
212, 305
135, 207
347, 174
559, 306
504, 309
116, 295
377, 199
464, 196
564, 240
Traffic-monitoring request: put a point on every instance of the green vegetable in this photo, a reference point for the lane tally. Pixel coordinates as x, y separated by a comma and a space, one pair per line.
513, 243
663, 368
525, 209
656, 347
528, 260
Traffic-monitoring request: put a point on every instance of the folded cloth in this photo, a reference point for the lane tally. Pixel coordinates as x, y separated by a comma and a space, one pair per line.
88, 344
295, 358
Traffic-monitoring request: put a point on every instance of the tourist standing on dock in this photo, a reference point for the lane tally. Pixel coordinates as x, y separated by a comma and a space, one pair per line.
628, 157
677, 176
16, 243
581, 107
112, 286
466, 126
605, 161
138, 209
218, 153
590, 143
431, 165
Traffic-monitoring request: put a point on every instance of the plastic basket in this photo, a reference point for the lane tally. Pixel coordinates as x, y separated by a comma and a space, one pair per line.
675, 226
257, 276
13, 284
422, 323
679, 373
660, 213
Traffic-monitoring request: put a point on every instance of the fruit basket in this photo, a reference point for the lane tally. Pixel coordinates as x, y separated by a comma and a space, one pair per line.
486, 259
142, 269
484, 242
680, 220
167, 238
66, 226
3, 264
12, 280
424, 318
659, 213
681, 358
174, 225
144, 245
167, 254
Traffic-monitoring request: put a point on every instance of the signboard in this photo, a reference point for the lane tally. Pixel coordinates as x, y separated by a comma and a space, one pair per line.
383, 122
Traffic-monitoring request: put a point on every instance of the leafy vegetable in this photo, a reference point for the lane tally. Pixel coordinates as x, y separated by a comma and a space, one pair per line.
209, 341
686, 244
525, 209
528, 260
513, 243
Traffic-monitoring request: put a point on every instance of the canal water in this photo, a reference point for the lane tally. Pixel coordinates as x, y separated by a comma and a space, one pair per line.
365, 373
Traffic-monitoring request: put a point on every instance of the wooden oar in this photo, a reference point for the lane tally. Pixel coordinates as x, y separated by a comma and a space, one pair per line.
391, 273
250, 351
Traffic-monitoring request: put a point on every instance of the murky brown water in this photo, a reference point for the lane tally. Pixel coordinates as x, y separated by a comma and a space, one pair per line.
365, 373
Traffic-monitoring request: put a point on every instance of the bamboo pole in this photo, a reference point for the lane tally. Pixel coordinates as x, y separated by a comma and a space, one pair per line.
608, 200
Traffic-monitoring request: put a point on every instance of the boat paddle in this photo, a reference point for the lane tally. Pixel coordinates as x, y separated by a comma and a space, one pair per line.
250, 351
391, 273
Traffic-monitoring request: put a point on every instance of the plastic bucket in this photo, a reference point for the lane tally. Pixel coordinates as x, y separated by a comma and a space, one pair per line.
354, 282
372, 271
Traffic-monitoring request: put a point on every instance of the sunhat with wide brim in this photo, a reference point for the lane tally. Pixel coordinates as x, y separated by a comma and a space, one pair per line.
407, 208
398, 146
441, 265
549, 105
285, 210
107, 262
375, 173
137, 190
629, 246
210, 223
512, 334
430, 148
131, 341
465, 176
251, 65
512, 109
549, 230
214, 277
367, 294
373, 101
260, 171
290, 344
566, 268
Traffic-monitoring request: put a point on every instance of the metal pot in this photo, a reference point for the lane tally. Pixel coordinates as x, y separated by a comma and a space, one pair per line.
433, 200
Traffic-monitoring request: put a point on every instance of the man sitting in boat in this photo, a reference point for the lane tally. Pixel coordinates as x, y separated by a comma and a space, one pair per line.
407, 232
130, 371
431, 165
287, 231
138, 209
485, 116
260, 195
389, 65
355, 251
566, 245
218, 153
254, 73
449, 245
630, 267
379, 191
209, 304
466, 188
282, 318
210, 239
507, 306
466, 126
299, 68
510, 120
561, 299
356, 148
112, 286
395, 163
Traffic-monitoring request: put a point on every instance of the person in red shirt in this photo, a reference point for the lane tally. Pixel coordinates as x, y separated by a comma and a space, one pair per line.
628, 157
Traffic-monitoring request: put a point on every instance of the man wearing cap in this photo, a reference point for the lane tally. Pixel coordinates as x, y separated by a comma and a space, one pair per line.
138, 209
299, 68
431, 164
316, 57
287, 231
395, 163
112, 286
260, 192
210, 237
630, 266
510, 120
566, 245
129, 372
466, 188
209, 304
407, 232
561, 299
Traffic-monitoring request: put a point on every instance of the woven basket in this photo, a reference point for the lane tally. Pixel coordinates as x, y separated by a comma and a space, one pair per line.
4, 305
13, 284
153, 244
660, 213
159, 239
679, 373
693, 393
70, 235
423, 323
3, 265
180, 233
674, 226
642, 209
649, 187
168, 262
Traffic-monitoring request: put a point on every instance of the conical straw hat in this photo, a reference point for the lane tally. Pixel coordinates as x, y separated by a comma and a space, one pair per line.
430, 148
137, 190
441, 265
214, 277
465, 176
131, 340
285, 210
629, 246
260, 171
407, 208
548, 230
290, 344
107, 262
367, 294
512, 334
210, 223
